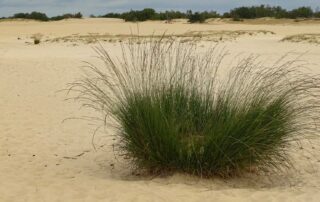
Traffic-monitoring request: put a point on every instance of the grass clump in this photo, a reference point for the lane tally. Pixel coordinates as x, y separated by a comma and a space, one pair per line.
36, 38
36, 41
175, 110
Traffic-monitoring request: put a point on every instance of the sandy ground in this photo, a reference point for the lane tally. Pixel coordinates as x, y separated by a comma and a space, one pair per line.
43, 158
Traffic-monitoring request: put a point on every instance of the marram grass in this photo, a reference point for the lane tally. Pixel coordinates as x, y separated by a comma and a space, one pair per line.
175, 111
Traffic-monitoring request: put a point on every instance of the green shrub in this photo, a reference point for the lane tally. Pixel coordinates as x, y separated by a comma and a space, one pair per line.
43, 17
34, 15
254, 12
143, 15
111, 15
237, 19
66, 16
196, 17
302, 12
170, 15
243, 12
151, 14
174, 111
317, 14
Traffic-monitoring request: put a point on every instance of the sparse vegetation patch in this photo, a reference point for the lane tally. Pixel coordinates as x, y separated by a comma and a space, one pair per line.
194, 36
303, 38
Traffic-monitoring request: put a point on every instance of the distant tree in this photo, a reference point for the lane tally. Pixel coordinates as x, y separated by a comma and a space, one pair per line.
34, 15
130, 16
210, 14
143, 15
226, 15
38, 16
147, 14
196, 17
243, 12
111, 15
169, 15
20, 15
257, 12
302, 12
316, 13
56, 18
189, 13
279, 12
66, 16
78, 15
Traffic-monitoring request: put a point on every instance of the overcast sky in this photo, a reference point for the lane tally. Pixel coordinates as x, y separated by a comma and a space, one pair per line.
87, 7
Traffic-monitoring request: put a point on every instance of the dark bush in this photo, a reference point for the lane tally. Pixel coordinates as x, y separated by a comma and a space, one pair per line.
258, 12
196, 17
243, 12
20, 15
34, 16
36, 41
317, 14
169, 15
302, 12
151, 14
112, 15
211, 14
267, 11
66, 16
56, 18
145, 14
279, 12
226, 15
44, 17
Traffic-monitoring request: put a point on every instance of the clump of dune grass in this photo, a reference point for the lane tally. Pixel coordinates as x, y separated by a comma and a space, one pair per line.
36, 38
175, 111
36, 41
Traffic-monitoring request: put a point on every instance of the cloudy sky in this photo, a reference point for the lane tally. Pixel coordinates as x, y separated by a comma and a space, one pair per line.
87, 7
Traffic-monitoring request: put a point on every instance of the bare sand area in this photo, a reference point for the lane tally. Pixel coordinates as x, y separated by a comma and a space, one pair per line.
44, 156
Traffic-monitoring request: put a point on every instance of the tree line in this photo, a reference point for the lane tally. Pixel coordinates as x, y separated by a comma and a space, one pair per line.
43, 17
193, 17
236, 14
151, 14
269, 11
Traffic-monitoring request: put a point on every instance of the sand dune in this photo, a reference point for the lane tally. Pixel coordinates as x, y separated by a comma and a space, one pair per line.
44, 157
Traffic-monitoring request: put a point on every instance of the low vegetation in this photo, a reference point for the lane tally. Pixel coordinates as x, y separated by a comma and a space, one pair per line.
66, 16
43, 17
303, 38
191, 36
146, 14
36, 38
175, 111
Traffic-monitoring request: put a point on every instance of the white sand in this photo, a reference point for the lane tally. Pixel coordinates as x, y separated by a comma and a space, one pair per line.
35, 146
